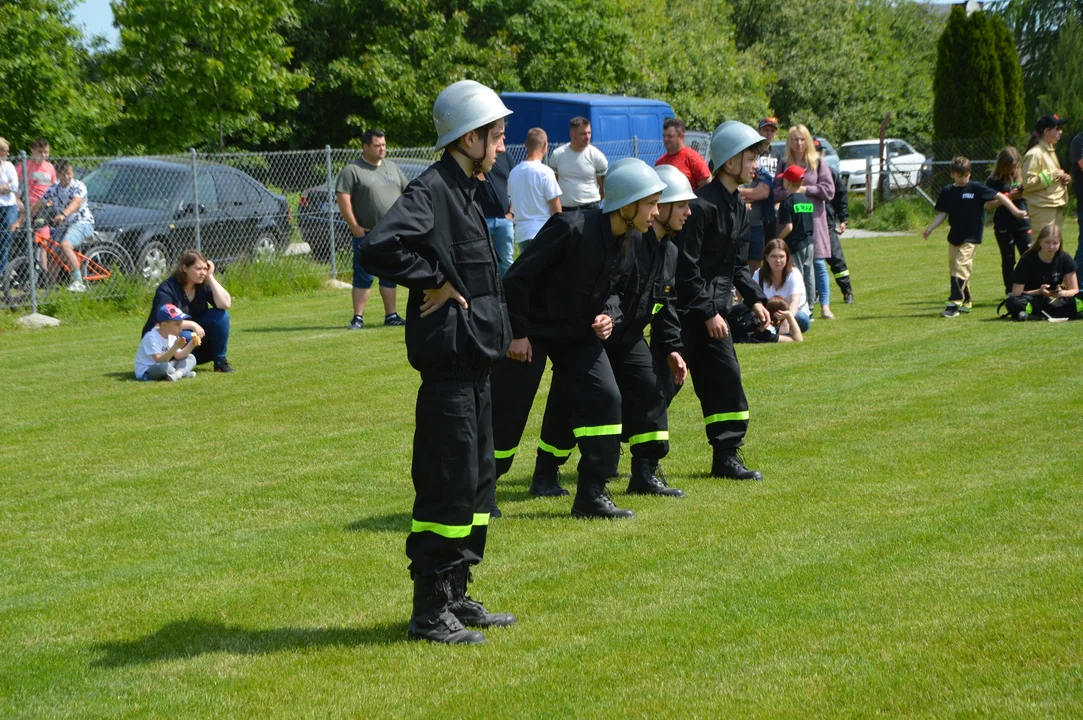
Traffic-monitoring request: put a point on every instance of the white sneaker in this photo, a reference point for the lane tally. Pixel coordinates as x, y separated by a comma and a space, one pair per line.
190, 374
77, 286
174, 376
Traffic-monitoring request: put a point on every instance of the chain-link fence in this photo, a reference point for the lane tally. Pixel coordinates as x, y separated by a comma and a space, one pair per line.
275, 212
908, 171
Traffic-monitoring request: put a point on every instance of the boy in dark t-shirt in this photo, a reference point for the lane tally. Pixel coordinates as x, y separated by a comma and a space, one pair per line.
963, 205
795, 212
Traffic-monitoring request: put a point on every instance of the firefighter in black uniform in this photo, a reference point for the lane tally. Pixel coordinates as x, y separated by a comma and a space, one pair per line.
645, 375
562, 304
435, 242
838, 212
712, 261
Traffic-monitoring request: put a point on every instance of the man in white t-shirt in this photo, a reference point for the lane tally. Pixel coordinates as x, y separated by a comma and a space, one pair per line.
533, 189
580, 169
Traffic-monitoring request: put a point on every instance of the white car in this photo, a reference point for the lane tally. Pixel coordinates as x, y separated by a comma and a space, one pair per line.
904, 164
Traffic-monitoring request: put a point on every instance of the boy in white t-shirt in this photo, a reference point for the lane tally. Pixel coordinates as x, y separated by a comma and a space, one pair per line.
162, 353
533, 189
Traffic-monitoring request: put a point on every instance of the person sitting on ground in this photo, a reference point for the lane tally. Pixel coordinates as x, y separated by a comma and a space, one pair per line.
1046, 285
196, 291
163, 354
782, 328
779, 278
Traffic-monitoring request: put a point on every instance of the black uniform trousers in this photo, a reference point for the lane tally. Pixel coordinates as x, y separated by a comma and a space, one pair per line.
645, 384
583, 397
1035, 305
716, 377
837, 263
1009, 241
453, 472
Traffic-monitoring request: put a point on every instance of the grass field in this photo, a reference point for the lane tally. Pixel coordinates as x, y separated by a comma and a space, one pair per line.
232, 546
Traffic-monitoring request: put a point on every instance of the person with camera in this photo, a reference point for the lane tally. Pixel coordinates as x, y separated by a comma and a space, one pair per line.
1045, 283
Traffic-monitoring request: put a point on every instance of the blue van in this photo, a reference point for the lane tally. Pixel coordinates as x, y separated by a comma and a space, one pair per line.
612, 118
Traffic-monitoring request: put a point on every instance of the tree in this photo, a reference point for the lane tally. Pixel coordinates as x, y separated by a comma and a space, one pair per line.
949, 83
1035, 25
982, 103
1064, 92
46, 91
1015, 111
203, 74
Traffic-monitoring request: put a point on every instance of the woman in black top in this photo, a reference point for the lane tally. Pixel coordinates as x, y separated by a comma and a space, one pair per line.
1011, 233
196, 291
1045, 284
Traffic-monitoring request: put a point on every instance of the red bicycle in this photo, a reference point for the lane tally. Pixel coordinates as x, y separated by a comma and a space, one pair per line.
100, 261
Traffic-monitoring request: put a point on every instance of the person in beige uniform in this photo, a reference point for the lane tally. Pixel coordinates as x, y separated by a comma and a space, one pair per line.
1045, 184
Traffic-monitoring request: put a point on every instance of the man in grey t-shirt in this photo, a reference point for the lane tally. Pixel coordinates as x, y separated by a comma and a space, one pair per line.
366, 189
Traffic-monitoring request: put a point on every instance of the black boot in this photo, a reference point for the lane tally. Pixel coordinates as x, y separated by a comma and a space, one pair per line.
546, 480
647, 479
469, 611
432, 619
494, 511
592, 501
728, 463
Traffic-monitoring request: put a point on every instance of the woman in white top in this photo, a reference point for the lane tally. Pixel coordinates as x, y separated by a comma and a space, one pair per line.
9, 209
778, 277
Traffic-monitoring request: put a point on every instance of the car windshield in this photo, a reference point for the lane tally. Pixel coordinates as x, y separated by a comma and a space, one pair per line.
149, 188
858, 152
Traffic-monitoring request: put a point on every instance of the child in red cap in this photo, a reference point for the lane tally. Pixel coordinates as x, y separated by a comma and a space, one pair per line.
795, 225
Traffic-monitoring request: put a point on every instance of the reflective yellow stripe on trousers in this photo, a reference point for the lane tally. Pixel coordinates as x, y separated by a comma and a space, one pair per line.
596, 431
723, 417
448, 531
647, 437
555, 452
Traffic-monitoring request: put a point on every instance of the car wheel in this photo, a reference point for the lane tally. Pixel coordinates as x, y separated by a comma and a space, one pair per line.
264, 247
153, 262
104, 259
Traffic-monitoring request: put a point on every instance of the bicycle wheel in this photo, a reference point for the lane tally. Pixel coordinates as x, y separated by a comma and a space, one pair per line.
106, 260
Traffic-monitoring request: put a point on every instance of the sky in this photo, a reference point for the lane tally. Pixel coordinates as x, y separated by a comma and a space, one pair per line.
96, 18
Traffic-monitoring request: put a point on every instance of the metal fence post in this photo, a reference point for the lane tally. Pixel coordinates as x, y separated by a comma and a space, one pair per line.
195, 199
28, 226
868, 186
331, 212
887, 184
635, 146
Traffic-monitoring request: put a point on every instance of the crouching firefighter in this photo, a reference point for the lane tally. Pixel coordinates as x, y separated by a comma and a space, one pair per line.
647, 376
562, 305
435, 242
712, 261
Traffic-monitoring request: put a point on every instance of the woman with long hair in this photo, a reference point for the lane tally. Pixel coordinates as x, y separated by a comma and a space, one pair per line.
820, 188
1045, 283
1011, 232
1044, 182
195, 290
780, 278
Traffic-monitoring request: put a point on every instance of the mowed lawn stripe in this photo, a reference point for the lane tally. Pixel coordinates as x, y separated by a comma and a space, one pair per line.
233, 545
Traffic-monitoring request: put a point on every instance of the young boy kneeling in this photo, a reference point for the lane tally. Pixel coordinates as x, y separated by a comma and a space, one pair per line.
163, 354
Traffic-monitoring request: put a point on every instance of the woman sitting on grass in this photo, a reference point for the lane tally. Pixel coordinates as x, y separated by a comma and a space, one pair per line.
1045, 282
196, 291
780, 278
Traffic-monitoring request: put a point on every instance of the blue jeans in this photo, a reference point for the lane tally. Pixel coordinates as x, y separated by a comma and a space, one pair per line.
804, 321
823, 282
8, 215
503, 232
215, 324
755, 242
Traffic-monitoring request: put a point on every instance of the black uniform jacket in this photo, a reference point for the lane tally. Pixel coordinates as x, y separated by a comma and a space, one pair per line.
648, 295
435, 233
566, 277
712, 256
838, 210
